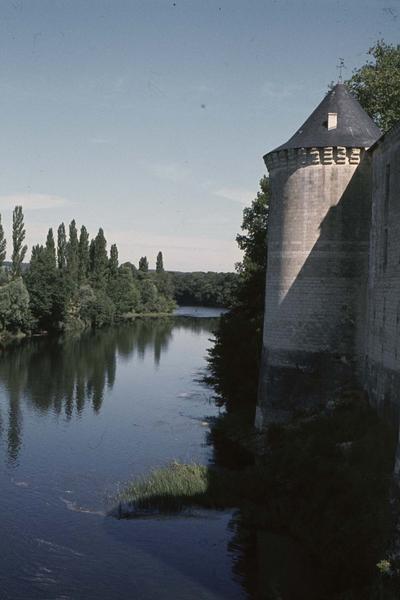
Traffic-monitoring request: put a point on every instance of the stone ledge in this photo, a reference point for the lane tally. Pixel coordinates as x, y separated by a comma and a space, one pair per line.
297, 157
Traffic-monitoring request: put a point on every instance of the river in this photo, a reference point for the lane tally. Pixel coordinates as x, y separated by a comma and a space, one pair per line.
78, 418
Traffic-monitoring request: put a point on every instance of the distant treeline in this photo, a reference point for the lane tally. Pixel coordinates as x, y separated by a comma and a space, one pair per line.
72, 282
204, 289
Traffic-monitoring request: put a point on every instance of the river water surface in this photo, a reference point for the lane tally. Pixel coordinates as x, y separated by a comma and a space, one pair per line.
82, 415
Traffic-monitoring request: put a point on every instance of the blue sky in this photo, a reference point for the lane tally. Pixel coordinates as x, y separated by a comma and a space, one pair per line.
150, 118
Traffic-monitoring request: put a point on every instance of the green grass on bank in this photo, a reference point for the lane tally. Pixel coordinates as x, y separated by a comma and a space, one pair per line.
178, 486
168, 489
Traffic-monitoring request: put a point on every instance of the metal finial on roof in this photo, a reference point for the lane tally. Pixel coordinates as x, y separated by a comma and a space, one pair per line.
340, 66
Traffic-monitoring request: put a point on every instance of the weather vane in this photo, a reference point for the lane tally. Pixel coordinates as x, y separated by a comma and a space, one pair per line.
340, 66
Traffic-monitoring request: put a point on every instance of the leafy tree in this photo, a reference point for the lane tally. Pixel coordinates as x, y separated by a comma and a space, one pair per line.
113, 262
86, 300
14, 307
83, 256
3, 245
132, 267
100, 309
51, 249
165, 285
18, 236
99, 261
234, 358
40, 281
77, 286
149, 296
377, 84
66, 268
72, 254
253, 243
91, 256
124, 292
49, 290
201, 289
143, 264
159, 263
61, 247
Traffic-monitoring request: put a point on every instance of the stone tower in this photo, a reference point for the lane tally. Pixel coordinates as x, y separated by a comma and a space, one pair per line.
317, 257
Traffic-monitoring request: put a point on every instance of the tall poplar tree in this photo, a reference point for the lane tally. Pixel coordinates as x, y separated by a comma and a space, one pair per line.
18, 237
3, 245
91, 256
50, 249
159, 263
61, 247
72, 253
143, 264
113, 262
83, 255
99, 261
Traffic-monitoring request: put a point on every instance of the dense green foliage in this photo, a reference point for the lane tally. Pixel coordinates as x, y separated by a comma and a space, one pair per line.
47, 288
15, 315
76, 286
376, 84
204, 289
73, 282
61, 247
83, 256
234, 358
143, 264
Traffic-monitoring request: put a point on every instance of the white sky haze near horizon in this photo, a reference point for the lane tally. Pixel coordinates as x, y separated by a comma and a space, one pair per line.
150, 118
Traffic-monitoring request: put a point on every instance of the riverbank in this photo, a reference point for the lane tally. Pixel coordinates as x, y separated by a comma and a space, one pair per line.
7, 337
77, 327
323, 480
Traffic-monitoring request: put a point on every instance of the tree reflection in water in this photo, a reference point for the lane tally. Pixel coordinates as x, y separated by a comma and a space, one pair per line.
64, 374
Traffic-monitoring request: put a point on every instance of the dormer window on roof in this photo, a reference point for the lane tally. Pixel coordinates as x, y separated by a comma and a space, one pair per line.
332, 121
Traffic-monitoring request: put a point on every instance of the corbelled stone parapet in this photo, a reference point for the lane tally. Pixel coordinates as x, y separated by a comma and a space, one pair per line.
298, 157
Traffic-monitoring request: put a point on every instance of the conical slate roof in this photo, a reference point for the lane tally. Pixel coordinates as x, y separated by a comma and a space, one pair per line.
355, 129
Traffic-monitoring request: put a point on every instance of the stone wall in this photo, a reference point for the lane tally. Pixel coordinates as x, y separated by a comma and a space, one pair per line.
382, 347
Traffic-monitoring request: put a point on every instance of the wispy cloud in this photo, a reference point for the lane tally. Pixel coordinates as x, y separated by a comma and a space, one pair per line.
279, 91
175, 172
235, 194
32, 201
